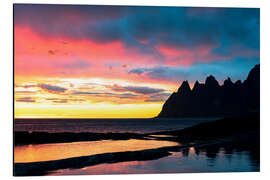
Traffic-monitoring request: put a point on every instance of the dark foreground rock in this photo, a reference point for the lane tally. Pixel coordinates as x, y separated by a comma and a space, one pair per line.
42, 168
224, 127
236, 132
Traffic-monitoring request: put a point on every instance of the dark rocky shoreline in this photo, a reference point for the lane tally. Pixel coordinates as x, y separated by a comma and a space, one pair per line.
25, 138
232, 132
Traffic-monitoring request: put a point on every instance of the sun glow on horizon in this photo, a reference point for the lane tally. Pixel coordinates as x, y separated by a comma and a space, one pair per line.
87, 98
87, 111
111, 64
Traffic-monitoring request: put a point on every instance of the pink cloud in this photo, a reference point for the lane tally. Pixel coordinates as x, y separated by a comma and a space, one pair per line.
187, 57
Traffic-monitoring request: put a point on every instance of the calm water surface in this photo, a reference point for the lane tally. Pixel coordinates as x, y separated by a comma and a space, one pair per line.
212, 159
105, 125
189, 161
47, 152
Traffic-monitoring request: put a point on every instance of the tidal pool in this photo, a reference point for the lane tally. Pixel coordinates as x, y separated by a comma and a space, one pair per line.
47, 152
190, 160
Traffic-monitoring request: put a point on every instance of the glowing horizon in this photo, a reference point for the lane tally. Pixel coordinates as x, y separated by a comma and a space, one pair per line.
73, 61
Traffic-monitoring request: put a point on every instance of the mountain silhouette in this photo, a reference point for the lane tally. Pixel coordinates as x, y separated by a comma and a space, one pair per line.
213, 100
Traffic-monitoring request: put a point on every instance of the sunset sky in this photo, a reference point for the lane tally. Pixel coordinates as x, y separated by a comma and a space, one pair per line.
118, 61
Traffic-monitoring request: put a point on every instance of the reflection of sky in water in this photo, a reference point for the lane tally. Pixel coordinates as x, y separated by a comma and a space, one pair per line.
187, 161
46, 152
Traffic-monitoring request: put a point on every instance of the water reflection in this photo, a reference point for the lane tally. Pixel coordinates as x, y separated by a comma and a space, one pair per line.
46, 152
189, 160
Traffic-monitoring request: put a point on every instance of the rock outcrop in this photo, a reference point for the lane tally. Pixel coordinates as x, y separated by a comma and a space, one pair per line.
213, 100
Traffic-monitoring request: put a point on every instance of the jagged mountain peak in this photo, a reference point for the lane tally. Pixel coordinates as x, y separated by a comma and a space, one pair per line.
238, 83
211, 81
228, 82
184, 88
196, 86
212, 100
254, 74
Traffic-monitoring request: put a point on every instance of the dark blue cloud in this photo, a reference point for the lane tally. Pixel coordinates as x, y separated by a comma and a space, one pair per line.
63, 20
220, 28
237, 69
136, 89
227, 31
97, 94
52, 88
143, 90
138, 71
158, 97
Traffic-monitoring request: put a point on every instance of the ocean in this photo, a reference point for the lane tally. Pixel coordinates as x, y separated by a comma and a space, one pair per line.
105, 125
222, 157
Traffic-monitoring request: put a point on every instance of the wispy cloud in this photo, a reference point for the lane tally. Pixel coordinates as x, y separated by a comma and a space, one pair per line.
58, 100
25, 85
25, 99
52, 88
120, 95
136, 89
161, 97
